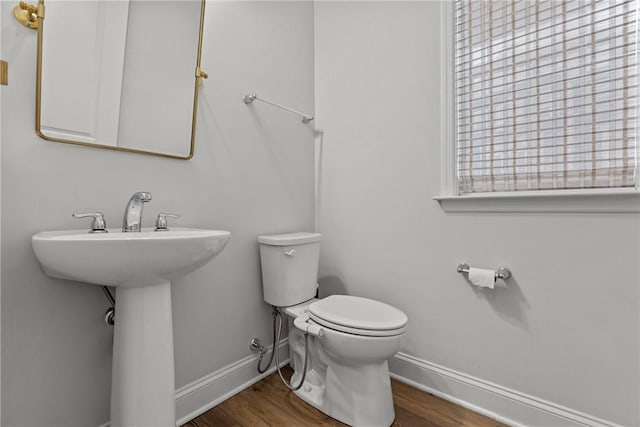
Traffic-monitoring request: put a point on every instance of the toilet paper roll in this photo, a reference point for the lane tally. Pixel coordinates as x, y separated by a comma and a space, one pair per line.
482, 277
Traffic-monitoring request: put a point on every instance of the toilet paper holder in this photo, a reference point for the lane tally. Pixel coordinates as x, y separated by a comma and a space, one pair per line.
501, 273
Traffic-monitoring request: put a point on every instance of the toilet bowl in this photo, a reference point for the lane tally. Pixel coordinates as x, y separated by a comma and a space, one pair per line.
350, 338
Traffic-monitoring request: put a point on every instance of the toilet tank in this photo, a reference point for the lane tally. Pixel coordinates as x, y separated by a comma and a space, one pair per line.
289, 267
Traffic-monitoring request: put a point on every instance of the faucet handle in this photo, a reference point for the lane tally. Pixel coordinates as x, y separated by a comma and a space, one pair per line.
161, 221
98, 225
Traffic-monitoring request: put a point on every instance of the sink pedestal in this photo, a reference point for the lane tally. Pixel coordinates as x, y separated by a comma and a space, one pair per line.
143, 381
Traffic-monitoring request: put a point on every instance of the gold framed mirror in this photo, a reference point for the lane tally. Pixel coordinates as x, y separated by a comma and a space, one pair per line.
117, 75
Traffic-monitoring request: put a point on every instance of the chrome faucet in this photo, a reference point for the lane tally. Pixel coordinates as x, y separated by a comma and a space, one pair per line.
132, 220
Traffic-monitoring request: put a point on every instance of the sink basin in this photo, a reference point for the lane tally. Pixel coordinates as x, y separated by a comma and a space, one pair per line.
126, 259
141, 265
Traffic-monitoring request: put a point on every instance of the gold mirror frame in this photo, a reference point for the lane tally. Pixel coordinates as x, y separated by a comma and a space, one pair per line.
199, 76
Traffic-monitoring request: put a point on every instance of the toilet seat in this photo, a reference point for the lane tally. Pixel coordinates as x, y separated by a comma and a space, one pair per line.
358, 316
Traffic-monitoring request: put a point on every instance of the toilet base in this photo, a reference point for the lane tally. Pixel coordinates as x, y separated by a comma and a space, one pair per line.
357, 397
355, 394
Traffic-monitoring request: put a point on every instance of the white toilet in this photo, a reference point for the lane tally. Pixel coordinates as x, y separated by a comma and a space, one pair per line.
350, 338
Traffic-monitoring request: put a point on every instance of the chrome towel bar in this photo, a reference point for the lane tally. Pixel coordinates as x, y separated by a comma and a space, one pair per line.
249, 98
501, 273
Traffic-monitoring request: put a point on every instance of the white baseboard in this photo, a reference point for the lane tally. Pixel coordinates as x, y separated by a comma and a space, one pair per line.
494, 401
203, 394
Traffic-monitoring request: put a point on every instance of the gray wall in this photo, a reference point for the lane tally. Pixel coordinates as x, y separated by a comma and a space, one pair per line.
566, 328
252, 174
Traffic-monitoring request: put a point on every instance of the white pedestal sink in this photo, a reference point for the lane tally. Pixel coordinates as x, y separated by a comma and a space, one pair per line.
141, 265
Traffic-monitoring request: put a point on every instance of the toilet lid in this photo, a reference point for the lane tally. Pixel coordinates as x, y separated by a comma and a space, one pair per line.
357, 315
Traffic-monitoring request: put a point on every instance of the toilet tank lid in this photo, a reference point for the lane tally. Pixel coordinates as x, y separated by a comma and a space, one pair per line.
288, 239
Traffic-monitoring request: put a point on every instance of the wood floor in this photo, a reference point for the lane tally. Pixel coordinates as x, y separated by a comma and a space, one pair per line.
270, 403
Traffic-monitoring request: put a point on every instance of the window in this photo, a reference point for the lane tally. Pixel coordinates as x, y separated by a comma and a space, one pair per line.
545, 95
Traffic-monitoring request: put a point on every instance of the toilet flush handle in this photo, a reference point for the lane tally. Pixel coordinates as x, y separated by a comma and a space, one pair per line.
290, 252
302, 322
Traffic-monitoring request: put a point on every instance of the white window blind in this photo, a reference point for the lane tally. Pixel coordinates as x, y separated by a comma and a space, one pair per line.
545, 94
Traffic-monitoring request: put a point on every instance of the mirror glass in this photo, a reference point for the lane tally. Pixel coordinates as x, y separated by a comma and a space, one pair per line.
121, 74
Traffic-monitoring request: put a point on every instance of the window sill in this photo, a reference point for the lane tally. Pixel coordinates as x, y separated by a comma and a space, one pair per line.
567, 201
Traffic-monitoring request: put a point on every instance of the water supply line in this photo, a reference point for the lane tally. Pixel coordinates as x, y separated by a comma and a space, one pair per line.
277, 330
109, 315
255, 345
